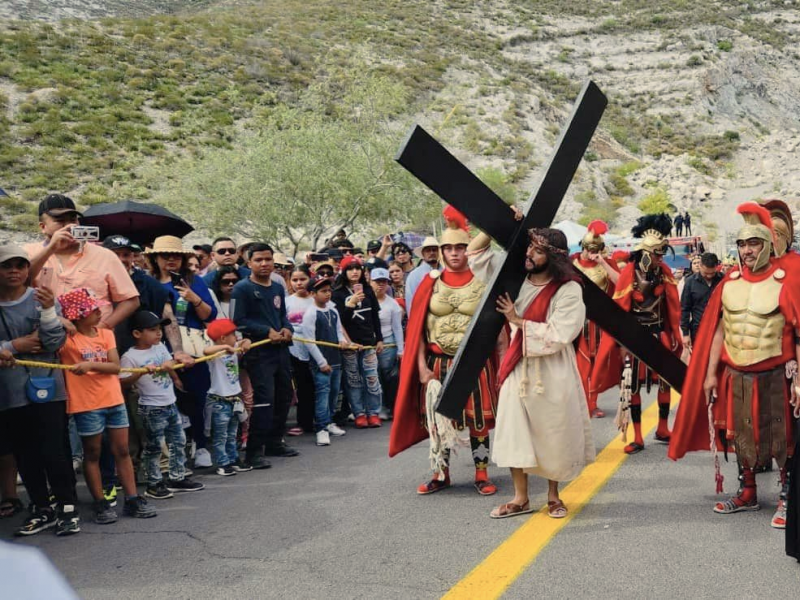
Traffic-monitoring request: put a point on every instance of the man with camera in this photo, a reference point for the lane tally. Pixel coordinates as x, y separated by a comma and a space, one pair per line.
63, 263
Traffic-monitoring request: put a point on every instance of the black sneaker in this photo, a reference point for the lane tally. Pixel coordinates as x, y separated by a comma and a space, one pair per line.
39, 520
158, 491
68, 522
139, 508
281, 449
226, 471
103, 513
184, 485
242, 467
257, 462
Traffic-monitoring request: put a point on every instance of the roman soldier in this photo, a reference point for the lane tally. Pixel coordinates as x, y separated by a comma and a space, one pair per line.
646, 288
621, 259
444, 304
743, 373
592, 263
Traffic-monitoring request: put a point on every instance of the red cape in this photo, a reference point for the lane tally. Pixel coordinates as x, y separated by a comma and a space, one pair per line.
690, 432
607, 368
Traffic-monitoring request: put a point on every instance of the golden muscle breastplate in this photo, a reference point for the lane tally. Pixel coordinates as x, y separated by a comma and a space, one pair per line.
752, 319
450, 311
596, 273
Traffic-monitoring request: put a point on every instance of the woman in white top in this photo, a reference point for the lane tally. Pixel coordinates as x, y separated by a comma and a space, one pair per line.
391, 317
296, 306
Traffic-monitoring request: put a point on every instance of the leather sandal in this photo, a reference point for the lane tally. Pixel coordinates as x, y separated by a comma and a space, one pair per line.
596, 413
486, 487
734, 505
664, 439
433, 486
634, 448
509, 509
556, 509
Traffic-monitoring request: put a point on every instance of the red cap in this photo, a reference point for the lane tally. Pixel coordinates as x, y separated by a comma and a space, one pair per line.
349, 261
219, 328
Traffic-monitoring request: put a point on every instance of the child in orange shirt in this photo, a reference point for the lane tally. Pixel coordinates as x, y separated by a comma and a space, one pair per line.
94, 399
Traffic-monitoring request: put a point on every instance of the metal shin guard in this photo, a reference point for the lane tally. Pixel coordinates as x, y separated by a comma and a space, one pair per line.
480, 451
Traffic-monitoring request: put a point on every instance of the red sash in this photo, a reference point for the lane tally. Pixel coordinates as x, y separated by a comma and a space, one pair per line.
537, 311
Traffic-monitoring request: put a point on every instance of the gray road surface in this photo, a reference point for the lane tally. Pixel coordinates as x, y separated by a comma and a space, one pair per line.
344, 522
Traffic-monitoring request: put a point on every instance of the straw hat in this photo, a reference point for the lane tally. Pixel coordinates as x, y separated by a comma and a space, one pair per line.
168, 244
280, 259
428, 242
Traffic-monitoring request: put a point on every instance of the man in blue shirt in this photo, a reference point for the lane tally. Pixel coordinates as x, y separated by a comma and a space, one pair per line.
258, 306
429, 253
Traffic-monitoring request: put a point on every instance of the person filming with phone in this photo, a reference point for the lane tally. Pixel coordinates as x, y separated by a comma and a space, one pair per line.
62, 264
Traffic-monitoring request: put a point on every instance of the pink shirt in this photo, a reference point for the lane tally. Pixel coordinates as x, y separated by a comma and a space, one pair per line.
95, 268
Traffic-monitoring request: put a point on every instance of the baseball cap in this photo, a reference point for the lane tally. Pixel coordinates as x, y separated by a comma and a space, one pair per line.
12, 251
373, 245
220, 327
144, 319
204, 247
56, 205
117, 242
318, 281
374, 262
350, 261
379, 273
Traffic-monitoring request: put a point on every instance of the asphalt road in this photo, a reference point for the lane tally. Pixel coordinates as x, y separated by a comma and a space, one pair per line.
345, 522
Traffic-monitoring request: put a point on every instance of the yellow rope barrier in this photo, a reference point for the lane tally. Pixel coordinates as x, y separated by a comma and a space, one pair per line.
47, 365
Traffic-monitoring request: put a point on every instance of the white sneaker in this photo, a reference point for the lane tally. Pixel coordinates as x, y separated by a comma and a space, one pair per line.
323, 438
202, 458
334, 429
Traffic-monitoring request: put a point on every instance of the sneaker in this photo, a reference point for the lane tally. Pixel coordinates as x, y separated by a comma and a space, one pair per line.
779, 518
335, 430
77, 465
384, 414
39, 520
187, 472
184, 485
280, 449
242, 467
374, 421
68, 522
226, 471
158, 491
257, 462
362, 422
323, 438
103, 513
202, 459
138, 508
351, 417
110, 494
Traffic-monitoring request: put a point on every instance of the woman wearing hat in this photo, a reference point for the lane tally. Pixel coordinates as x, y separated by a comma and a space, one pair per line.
193, 307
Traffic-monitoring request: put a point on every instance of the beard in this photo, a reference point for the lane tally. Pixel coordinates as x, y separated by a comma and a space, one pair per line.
536, 269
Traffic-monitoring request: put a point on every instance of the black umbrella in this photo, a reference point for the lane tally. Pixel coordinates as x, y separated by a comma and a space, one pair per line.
140, 222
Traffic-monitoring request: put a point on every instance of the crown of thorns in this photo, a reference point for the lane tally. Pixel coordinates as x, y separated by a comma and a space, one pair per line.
539, 240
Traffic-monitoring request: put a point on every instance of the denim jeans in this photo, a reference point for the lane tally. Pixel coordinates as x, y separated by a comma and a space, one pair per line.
224, 425
326, 387
163, 422
388, 368
363, 384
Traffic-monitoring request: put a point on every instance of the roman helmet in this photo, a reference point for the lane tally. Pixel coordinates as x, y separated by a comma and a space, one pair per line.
782, 225
652, 232
456, 231
758, 225
593, 240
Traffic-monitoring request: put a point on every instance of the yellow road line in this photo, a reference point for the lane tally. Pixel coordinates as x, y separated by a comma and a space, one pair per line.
509, 560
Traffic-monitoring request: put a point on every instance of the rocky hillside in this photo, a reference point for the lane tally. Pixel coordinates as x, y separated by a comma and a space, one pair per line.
705, 95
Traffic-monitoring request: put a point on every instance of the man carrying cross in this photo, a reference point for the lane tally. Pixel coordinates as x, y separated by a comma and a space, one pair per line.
542, 423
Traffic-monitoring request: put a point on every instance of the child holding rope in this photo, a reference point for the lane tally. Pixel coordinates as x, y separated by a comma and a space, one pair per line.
96, 403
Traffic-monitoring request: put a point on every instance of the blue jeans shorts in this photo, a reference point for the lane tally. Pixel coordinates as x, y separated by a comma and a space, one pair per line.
92, 422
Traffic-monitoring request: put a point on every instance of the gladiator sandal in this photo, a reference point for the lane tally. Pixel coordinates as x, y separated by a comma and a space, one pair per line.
435, 484
747, 500
779, 518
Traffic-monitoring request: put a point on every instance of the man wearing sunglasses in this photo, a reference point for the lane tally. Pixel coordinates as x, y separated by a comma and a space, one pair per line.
224, 254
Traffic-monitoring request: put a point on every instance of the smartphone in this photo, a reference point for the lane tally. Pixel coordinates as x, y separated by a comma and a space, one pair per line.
176, 279
357, 288
85, 233
318, 256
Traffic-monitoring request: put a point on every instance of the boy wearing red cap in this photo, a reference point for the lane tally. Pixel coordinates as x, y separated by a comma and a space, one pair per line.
224, 406
95, 401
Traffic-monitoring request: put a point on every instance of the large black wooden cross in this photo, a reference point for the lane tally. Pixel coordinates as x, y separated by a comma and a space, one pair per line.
432, 164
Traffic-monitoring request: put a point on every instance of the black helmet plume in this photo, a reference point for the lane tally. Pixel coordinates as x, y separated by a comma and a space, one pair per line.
660, 222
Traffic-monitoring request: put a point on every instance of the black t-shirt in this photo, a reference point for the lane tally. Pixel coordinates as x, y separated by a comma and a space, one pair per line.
361, 323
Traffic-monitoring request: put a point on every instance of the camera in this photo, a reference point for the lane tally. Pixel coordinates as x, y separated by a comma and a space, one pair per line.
85, 233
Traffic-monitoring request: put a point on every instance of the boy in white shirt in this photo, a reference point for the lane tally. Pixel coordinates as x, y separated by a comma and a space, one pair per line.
157, 407
224, 406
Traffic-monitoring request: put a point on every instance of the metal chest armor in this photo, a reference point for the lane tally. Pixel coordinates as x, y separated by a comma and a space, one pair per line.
752, 319
450, 311
596, 273
649, 311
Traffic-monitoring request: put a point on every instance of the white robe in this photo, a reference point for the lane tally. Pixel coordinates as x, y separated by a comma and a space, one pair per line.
548, 432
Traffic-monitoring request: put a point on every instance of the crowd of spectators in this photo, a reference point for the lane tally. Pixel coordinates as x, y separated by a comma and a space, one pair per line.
176, 363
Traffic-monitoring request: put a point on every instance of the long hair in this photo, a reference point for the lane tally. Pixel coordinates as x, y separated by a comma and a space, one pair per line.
559, 267
184, 269
216, 284
342, 281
